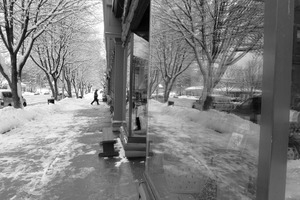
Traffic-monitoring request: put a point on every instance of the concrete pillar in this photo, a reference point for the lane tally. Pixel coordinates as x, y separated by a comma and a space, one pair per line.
119, 83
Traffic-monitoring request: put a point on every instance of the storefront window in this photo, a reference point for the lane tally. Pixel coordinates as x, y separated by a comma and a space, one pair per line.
293, 162
204, 107
137, 67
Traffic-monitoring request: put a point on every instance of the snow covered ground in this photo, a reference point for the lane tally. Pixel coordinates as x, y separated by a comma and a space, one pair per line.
32, 99
220, 144
37, 144
214, 144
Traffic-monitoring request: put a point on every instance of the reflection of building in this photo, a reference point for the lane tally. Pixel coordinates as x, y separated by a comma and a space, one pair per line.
125, 17
126, 37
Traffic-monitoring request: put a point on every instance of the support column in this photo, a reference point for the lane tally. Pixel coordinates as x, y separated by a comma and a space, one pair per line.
119, 116
110, 63
278, 37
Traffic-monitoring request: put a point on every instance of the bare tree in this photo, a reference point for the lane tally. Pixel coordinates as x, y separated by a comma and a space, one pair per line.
52, 54
173, 59
33, 77
68, 48
79, 80
253, 74
247, 78
189, 78
171, 55
155, 79
21, 23
87, 66
220, 32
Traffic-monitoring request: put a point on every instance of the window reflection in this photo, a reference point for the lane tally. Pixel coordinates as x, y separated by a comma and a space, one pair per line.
137, 76
205, 98
293, 162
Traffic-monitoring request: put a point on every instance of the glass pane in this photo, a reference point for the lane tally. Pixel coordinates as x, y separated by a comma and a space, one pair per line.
205, 94
293, 163
128, 87
137, 74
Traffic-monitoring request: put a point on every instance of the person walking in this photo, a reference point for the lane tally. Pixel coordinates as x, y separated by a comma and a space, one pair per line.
95, 97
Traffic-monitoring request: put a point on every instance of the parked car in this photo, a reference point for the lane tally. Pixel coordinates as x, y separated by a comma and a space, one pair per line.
219, 102
7, 100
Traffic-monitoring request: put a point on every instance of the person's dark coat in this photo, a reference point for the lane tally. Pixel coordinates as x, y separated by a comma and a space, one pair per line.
95, 97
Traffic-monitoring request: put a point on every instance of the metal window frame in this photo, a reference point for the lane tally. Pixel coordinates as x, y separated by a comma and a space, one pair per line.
278, 42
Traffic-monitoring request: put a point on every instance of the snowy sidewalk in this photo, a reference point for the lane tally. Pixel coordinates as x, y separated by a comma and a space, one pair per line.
55, 156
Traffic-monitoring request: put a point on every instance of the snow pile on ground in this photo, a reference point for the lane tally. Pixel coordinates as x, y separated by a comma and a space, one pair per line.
189, 134
27, 93
219, 121
39, 148
11, 118
121, 150
224, 144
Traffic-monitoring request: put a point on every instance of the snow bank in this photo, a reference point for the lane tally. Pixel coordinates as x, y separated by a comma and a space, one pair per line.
219, 121
11, 118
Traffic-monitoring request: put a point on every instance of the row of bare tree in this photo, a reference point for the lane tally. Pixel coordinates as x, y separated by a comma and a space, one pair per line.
55, 34
210, 34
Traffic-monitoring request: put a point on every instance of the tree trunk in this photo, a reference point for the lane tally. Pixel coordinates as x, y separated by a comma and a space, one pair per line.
50, 84
15, 78
81, 89
166, 92
75, 87
55, 95
168, 88
69, 87
89, 89
206, 99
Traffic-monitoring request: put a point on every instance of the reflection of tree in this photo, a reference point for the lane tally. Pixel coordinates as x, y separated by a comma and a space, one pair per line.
219, 32
141, 69
183, 81
155, 79
190, 77
247, 78
253, 75
172, 58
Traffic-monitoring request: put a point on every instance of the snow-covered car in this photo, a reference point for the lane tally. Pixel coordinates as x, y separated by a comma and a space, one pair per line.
7, 100
219, 102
